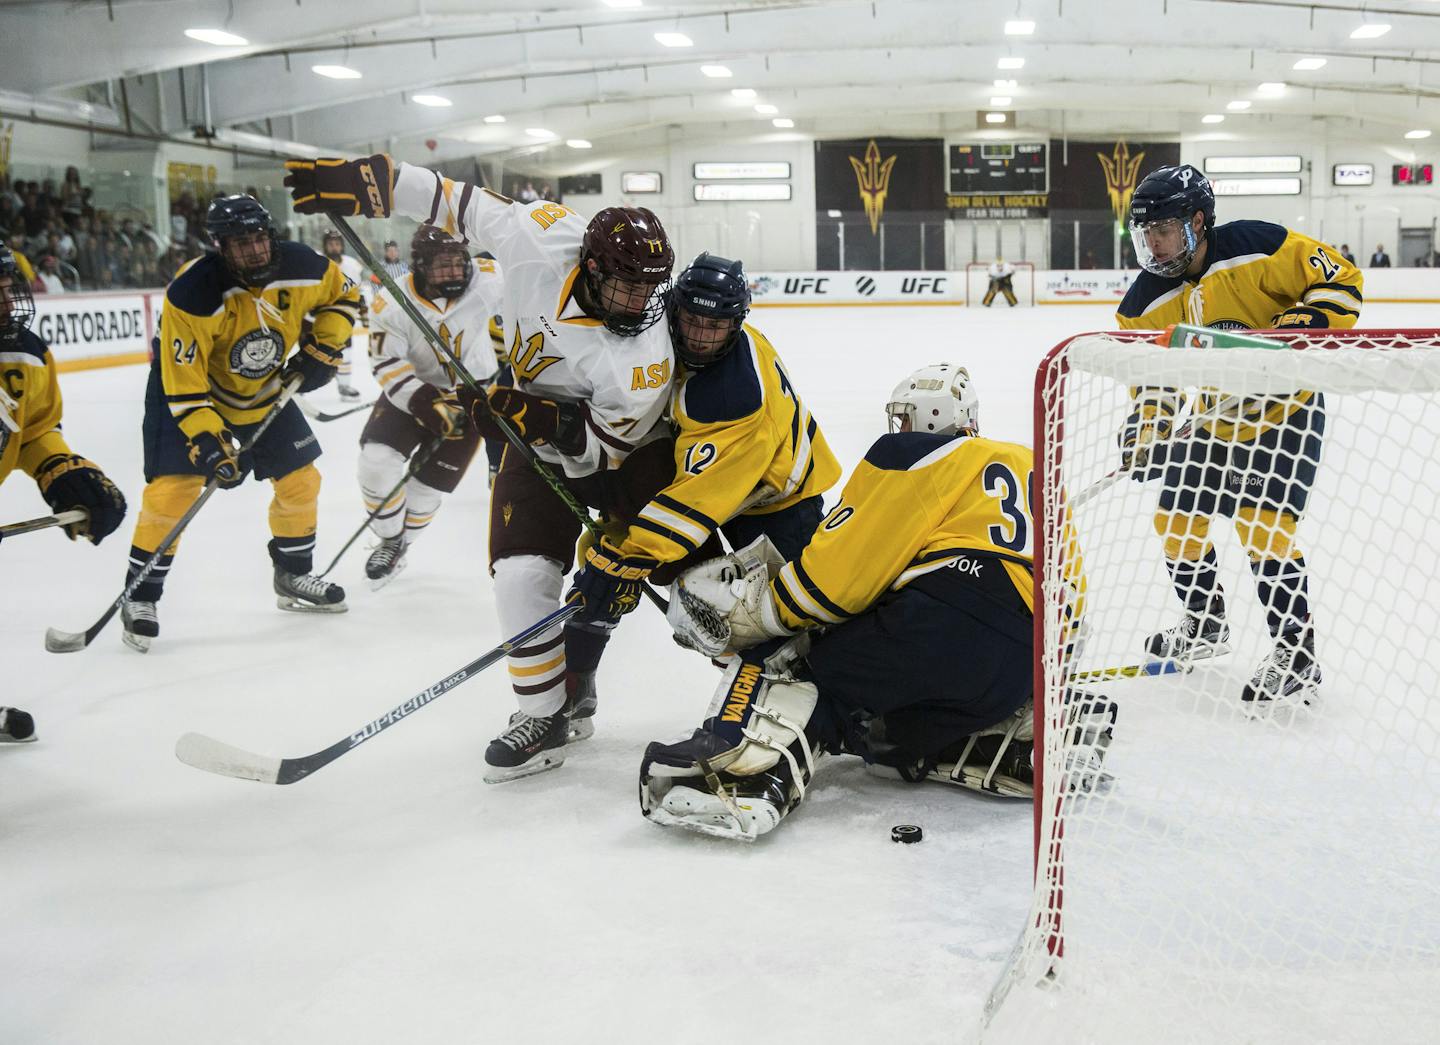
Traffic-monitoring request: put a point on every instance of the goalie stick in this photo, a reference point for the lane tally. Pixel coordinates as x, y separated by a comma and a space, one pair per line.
215, 756
313, 412
523, 448
57, 641
43, 522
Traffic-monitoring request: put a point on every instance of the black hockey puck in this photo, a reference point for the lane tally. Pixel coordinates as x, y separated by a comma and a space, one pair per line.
906, 833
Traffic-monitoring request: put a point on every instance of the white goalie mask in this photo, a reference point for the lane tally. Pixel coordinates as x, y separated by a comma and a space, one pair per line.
939, 399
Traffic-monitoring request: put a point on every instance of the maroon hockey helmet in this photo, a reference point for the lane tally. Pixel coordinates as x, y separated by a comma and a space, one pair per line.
633, 260
426, 246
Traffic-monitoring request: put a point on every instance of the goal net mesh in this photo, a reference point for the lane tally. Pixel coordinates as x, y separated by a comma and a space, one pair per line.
1236, 875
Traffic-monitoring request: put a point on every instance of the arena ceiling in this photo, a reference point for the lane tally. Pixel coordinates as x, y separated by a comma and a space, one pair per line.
595, 69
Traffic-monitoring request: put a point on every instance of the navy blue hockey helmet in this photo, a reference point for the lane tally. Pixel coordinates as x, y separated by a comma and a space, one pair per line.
707, 304
17, 304
1161, 211
240, 215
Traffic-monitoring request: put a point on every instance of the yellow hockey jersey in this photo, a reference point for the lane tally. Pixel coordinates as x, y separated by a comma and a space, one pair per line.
746, 445
221, 345
918, 502
28, 379
1257, 275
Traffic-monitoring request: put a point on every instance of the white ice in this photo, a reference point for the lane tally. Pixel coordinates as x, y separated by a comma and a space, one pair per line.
394, 896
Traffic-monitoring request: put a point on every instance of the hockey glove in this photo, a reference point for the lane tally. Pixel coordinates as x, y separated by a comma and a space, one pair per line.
1149, 422
350, 187
70, 481
217, 458
439, 411
535, 418
1301, 316
610, 583
313, 363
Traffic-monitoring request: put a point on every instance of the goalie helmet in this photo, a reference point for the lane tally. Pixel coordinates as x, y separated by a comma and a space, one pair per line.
237, 217
429, 245
632, 261
17, 304
1162, 212
940, 399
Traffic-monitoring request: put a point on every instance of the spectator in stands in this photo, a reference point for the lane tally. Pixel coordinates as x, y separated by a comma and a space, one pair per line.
1379, 260
1345, 253
49, 275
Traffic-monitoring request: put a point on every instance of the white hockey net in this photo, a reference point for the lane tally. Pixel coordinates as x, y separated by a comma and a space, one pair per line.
977, 283
1241, 877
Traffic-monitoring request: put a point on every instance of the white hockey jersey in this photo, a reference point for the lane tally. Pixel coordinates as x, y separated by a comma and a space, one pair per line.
355, 273
402, 358
1001, 269
555, 348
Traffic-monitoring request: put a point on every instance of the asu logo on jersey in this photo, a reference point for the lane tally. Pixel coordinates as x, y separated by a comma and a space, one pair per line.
528, 359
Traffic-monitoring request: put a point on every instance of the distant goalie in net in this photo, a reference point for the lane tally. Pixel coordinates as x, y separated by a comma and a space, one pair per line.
902, 633
1002, 281
1251, 459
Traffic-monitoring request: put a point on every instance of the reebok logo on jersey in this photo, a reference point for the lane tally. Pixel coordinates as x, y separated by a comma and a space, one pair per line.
737, 701
966, 565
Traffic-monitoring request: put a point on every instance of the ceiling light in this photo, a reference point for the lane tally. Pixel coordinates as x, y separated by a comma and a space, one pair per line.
1000, 101
1010, 63
622, 3
539, 132
1272, 88
674, 40
1417, 134
1306, 64
994, 117
435, 101
495, 118
218, 37
1369, 31
1006, 85
1213, 117
578, 143
782, 121
1019, 27
336, 72
1238, 106
717, 72
766, 110
743, 93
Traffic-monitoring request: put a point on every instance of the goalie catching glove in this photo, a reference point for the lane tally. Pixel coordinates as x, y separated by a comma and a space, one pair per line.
69, 481
725, 604
610, 583
535, 418
349, 187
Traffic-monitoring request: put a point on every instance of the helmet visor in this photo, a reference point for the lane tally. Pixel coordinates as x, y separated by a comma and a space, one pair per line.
1165, 246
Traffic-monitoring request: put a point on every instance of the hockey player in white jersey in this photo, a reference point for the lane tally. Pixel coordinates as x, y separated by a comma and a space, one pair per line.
334, 249
1002, 281
420, 401
592, 368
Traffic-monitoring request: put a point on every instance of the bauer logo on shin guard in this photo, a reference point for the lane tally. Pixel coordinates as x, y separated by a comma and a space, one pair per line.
737, 701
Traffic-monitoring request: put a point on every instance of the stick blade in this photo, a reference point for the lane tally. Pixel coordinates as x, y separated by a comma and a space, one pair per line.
57, 641
215, 756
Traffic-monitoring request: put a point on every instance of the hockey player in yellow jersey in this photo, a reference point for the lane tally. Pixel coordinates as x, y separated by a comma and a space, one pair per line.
220, 363
31, 440
1252, 460
749, 457
902, 633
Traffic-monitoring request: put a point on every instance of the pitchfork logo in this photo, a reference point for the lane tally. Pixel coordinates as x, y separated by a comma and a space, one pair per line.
873, 176
1122, 175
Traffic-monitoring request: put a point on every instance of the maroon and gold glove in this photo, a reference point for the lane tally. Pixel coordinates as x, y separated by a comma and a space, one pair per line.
439, 411
349, 187
535, 418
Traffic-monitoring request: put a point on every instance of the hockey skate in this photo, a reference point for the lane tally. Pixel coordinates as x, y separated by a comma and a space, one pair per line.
306, 593
386, 561
16, 726
680, 788
1199, 636
580, 704
1286, 679
994, 761
347, 391
528, 746
140, 624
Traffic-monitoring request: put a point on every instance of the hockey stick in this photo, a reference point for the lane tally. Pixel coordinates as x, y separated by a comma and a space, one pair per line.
1187, 430
416, 463
57, 641
523, 448
316, 414
215, 756
44, 522
1129, 671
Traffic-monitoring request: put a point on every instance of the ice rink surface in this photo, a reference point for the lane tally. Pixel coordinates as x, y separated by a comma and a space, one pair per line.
396, 897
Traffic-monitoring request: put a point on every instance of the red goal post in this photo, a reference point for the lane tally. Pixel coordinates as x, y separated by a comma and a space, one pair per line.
1238, 876
977, 282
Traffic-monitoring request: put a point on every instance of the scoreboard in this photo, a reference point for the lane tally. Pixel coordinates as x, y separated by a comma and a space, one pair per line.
999, 167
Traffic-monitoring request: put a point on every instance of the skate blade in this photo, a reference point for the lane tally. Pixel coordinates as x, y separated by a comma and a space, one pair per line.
972, 778
6, 738
139, 643
580, 729
297, 606
376, 583
1282, 710
546, 760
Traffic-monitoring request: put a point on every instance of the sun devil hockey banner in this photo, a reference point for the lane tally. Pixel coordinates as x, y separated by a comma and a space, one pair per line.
872, 180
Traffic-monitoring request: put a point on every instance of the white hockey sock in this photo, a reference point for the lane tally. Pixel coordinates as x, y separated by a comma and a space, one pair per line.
422, 501
527, 588
379, 470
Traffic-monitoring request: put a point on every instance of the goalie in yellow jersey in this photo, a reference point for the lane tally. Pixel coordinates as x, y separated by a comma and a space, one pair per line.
902, 633
220, 363
1250, 459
